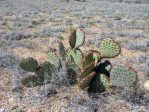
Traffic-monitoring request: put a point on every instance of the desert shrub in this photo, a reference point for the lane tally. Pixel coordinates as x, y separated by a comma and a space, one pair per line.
138, 45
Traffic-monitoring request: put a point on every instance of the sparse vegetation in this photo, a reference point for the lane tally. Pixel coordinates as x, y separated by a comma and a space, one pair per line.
29, 30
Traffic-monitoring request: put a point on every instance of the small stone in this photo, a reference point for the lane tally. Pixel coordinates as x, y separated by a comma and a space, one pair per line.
2, 110
146, 85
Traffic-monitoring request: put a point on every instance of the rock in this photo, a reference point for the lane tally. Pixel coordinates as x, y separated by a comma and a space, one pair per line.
146, 85
2, 110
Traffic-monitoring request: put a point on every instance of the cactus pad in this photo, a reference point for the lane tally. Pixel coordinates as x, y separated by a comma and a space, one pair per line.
123, 76
99, 83
92, 56
31, 81
76, 55
109, 48
84, 82
80, 37
77, 38
29, 64
53, 58
45, 71
87, 71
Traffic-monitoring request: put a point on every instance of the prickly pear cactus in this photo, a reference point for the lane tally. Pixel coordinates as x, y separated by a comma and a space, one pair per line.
99, 83
123, 76
76, 55
31, 81
109, 48
85, 82
76, 39
29, 64
45, 71
87, 71
91, 57
54, 59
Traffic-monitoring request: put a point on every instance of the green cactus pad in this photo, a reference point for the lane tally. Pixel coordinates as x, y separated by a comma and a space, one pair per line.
45, 71
80, 37
123, 76
61, 50
72, 39
76, 39
84, 82
87, 71
31, 81
109, 48
53, 58
76, 56
100, 83
29, 64
92, 56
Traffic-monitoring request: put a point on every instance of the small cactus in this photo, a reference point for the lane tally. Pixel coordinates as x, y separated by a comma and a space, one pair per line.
29, 64
123, 76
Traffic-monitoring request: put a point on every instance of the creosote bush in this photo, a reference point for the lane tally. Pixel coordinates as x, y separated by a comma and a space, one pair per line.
90, 71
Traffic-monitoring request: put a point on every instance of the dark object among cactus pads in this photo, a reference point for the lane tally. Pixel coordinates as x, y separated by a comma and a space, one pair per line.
29, 64
104, 68
100, 83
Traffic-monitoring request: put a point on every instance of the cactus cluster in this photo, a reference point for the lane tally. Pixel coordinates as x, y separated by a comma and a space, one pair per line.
67, 59
96, 74
41, 71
